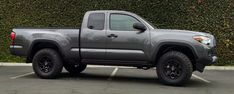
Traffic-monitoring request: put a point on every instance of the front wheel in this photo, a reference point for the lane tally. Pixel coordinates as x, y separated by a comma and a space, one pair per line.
174, 68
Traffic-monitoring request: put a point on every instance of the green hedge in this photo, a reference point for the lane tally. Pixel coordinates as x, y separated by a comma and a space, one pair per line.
213, 16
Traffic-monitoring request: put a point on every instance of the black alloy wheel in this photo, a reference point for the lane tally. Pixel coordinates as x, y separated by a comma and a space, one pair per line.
174, 68
47, 63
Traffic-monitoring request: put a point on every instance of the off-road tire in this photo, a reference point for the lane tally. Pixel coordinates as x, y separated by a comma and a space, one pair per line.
183, 66
47, 63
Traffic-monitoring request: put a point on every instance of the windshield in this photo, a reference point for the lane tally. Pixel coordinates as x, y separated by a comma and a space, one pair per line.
145, 21
152, 25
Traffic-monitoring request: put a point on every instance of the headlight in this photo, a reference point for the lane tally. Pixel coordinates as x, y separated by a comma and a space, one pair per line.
202, 39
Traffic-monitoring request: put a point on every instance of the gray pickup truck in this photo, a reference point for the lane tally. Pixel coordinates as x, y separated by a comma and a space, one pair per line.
109, 37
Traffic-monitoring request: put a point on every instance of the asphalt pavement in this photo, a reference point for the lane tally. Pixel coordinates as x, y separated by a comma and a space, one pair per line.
111, 80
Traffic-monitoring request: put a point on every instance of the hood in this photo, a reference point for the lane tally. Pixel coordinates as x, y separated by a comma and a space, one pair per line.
184, 32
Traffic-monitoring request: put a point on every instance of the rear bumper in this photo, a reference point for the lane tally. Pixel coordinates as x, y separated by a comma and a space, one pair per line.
16, 50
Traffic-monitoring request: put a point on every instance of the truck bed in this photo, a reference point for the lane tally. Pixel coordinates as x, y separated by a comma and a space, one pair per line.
26, 37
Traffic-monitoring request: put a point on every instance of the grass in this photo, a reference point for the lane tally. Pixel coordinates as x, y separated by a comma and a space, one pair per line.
7, 57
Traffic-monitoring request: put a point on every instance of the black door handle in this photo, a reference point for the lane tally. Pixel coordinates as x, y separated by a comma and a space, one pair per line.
112, 36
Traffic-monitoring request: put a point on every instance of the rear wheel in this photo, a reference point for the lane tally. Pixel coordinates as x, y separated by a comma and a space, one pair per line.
174, 68
47, 63
75, 68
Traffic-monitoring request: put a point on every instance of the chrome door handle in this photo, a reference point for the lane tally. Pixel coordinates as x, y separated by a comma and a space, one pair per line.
112, 36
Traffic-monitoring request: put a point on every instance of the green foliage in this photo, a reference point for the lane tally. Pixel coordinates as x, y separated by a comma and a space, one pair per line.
213, 16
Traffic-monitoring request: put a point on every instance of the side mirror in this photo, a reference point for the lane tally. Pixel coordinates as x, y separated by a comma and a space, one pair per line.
139, 26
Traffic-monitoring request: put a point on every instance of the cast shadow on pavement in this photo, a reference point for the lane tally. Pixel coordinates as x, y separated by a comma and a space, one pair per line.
193, 83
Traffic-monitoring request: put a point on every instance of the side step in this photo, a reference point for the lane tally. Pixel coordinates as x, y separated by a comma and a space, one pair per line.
139, 64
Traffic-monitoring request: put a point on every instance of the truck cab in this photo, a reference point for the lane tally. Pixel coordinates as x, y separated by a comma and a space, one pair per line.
109, 36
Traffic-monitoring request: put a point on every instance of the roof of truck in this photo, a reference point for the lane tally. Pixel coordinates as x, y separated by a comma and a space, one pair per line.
108, 11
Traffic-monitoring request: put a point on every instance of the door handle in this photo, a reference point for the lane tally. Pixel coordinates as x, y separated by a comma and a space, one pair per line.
112, 36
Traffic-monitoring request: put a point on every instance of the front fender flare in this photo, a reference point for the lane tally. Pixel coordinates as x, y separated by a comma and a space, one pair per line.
156, 49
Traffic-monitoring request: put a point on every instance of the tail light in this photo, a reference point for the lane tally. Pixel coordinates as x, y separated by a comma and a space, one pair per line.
12, 35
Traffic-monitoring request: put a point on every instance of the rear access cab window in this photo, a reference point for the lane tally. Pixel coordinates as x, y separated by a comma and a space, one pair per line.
96, 21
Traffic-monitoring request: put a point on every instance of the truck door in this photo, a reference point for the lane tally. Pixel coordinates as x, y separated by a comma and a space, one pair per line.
93, 36
124, 42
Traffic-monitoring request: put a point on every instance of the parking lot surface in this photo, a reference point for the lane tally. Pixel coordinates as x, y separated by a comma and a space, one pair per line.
111, 80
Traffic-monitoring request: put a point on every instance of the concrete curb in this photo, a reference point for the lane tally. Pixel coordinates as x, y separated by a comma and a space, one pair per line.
101, 66
219, 68
16, 64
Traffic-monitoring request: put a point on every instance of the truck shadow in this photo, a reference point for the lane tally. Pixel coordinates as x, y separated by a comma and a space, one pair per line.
128, 79
193, 83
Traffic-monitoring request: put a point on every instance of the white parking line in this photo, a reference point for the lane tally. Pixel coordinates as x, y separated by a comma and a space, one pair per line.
18, 76
200, 78
113, 73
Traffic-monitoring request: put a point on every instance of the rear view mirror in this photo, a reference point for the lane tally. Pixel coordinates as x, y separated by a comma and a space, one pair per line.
139, 26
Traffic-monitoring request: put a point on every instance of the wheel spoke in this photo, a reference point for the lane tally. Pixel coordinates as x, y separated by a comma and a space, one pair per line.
45, 64
168, 72
172, 69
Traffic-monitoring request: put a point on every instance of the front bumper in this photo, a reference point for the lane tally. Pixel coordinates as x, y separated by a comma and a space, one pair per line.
207, 59
214, 59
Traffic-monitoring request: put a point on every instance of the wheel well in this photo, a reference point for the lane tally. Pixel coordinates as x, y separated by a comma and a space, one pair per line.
38, 46
183, 49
